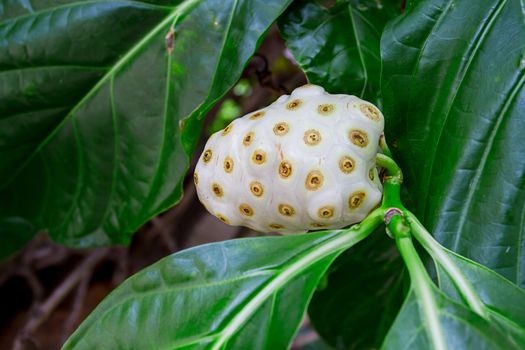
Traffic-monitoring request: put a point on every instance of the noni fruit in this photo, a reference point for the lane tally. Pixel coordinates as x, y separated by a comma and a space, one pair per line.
305, 162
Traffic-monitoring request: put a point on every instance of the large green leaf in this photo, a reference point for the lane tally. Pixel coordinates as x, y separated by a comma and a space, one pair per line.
239, 294
101, 103
338, 47
460, 328
453, 94
362, 295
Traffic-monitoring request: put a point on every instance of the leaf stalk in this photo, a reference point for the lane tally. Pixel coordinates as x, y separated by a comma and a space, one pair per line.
402, 225
438, 253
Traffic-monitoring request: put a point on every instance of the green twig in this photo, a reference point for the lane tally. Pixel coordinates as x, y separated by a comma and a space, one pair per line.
392, 182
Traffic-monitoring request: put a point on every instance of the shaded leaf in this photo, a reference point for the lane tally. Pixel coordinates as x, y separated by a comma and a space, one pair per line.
453, 77
338, 48
229, 295
101, 103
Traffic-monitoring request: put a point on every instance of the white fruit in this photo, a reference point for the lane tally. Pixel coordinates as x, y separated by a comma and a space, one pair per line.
305, 162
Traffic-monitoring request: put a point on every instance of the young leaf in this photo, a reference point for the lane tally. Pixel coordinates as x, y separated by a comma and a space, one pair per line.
453, 78
338, 47
239, 294
102, 102
362, 296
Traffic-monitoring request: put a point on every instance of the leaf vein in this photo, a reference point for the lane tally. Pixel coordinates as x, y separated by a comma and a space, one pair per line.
79, 176
114, 172
156, 173
520, 245
473, 50
358, 45
516, 87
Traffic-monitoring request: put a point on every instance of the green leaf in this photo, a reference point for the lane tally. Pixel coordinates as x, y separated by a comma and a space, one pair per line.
362, 296
453, 78
461, 328
504, 300
239, 294
338, 47
101, 104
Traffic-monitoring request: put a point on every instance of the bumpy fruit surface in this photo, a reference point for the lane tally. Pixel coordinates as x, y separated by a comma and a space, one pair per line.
305, 162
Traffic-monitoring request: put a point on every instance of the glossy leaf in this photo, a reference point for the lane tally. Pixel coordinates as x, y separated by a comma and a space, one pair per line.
504, 300
453, 78
101, 103
362, 295
338, 47
239, 294
461, 328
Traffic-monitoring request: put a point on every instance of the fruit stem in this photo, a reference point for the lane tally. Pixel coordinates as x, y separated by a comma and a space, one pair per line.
391, 183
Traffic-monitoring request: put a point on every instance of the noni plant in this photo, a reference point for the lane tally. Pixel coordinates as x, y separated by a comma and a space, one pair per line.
414, 244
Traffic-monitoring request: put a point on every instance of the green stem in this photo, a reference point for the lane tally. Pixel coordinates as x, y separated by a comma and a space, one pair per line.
367, 226
402, 224
391, 199
421, 282
392, 182
438, 254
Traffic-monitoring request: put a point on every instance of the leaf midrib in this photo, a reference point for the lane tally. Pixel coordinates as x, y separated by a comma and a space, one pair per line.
334, 245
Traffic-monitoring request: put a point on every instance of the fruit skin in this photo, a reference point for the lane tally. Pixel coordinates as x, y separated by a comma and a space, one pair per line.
305, 162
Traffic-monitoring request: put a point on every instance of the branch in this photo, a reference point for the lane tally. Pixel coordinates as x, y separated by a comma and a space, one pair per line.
43, 310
